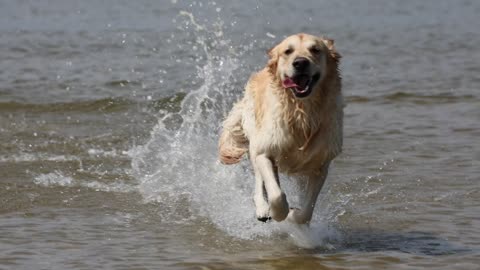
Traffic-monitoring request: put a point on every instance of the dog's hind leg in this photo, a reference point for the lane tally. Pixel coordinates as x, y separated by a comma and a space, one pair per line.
314, 185
233, 143
276, 198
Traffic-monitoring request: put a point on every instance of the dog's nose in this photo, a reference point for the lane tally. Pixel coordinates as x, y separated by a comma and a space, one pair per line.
301, 63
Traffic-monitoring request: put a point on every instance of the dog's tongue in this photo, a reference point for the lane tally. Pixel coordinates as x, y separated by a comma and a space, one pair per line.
299, 82
289, 83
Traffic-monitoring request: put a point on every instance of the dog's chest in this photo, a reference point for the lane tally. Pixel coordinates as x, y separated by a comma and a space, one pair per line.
274, 135
294, 151
296, 160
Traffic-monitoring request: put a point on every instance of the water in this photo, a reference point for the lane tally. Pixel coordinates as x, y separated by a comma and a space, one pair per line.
110, 112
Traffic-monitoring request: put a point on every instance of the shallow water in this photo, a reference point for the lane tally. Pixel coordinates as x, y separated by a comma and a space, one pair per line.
110, 112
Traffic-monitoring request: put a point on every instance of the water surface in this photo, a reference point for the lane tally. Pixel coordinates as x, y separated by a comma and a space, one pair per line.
110, 113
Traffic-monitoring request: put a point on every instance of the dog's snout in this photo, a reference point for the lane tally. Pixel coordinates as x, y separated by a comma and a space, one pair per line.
301, 63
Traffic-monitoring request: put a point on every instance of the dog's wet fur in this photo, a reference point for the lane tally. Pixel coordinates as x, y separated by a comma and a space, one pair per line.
290, 120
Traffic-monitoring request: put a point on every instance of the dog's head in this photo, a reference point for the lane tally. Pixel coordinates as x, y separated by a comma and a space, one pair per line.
301, 62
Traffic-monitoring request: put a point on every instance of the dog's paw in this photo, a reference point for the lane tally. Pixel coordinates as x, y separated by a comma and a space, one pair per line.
279, 207
262, 213
297, 216
262, 210
264, 219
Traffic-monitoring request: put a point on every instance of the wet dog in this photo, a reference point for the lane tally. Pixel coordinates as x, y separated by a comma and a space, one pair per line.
290, 120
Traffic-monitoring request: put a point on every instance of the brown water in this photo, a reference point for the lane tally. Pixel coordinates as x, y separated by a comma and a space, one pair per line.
109, 115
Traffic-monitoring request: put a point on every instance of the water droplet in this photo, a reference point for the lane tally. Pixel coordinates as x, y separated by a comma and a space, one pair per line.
270, 35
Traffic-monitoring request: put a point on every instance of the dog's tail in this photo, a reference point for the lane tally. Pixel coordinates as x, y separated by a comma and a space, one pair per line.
233, 142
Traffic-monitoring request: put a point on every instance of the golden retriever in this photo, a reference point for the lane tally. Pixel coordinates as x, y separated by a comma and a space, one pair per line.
290, 120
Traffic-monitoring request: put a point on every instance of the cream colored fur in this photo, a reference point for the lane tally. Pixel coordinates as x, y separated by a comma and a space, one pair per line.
283, 133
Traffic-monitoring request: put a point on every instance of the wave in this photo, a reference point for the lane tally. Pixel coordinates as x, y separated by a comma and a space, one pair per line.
58, 179
419, 99
440, 98
106, 105
30, 157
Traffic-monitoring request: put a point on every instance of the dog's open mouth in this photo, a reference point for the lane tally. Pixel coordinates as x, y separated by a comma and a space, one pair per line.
301, 84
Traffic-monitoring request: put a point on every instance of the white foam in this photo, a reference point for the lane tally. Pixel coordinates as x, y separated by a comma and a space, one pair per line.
59, 179
102, 153
113, 187
32, 157
317, 235
53, 179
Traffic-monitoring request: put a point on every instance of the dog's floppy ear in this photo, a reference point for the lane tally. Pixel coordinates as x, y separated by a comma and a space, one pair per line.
330, 44
273, 59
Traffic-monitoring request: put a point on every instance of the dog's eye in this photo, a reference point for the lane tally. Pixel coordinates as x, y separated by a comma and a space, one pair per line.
289, 51
315, 50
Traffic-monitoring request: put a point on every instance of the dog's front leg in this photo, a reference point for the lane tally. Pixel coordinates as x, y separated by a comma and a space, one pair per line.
261, 205
314, 185
276, 198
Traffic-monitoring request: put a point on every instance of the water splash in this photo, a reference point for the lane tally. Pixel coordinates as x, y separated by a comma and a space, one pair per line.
179, 164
